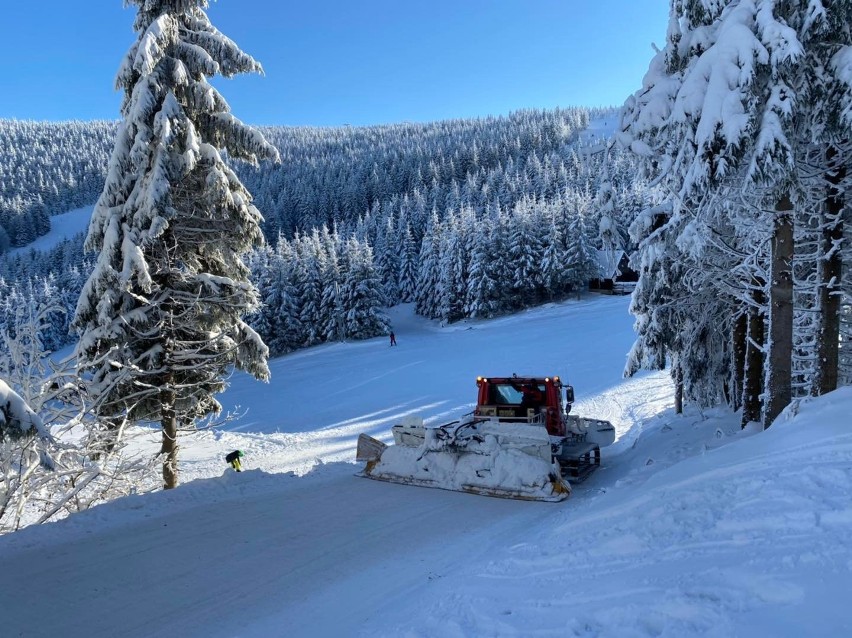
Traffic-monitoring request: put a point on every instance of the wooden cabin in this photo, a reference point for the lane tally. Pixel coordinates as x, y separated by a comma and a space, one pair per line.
615, 275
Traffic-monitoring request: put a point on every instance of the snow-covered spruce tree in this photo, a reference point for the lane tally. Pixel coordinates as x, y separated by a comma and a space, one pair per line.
662, 299
361, 294
308, 250
554, 274
427, 294
675, 319
388, 251
261, 265
524, 254
160, 318
580, 255
333, 320
408, 267
733, 105
611, 238
483, 289
454, 264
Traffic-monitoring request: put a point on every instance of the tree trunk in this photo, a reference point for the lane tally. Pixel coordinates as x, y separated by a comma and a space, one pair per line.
754, 357
780, 370
739, 348
168, 420
830, 269
678, 397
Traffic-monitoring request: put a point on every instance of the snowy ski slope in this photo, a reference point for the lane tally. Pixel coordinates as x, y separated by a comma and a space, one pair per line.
690, 528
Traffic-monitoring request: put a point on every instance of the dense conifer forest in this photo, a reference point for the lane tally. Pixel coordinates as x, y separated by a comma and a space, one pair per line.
465, 218
47, 168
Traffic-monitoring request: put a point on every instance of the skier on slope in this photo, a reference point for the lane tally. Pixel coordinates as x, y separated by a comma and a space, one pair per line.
233, 459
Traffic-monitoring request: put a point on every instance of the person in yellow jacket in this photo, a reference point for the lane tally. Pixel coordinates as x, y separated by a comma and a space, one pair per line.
233, 460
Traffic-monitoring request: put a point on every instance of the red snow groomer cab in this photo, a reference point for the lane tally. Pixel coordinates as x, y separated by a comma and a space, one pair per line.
524, 399
519, 442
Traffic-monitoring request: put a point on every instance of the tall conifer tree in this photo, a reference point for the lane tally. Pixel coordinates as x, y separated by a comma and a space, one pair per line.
160, 318
731, 111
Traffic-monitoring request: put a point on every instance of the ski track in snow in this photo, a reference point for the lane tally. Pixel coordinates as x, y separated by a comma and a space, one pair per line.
599, 132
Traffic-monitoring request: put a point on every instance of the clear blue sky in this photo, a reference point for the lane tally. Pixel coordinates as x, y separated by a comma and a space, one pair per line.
333, 62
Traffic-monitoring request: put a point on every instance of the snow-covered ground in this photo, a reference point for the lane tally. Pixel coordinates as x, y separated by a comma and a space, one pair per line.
691, 527
600, 130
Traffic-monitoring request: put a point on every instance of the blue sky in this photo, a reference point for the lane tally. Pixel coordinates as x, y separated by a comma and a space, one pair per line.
334, 62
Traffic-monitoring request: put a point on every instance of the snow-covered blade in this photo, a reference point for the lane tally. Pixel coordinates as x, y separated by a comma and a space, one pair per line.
593, 430
477, 456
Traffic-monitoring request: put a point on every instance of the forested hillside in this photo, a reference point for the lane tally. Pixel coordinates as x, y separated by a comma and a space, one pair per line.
48, 168
467, 218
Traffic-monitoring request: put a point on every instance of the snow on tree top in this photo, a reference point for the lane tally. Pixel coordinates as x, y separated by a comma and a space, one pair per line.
17, 419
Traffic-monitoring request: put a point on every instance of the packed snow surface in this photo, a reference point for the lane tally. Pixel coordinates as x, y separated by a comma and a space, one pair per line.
692, 527
600, 130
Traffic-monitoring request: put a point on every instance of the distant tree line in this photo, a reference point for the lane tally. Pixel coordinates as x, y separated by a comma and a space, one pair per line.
52, 278
48, 168
464, 218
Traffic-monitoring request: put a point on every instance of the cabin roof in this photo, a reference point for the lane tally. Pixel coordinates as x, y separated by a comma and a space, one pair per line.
608, 261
